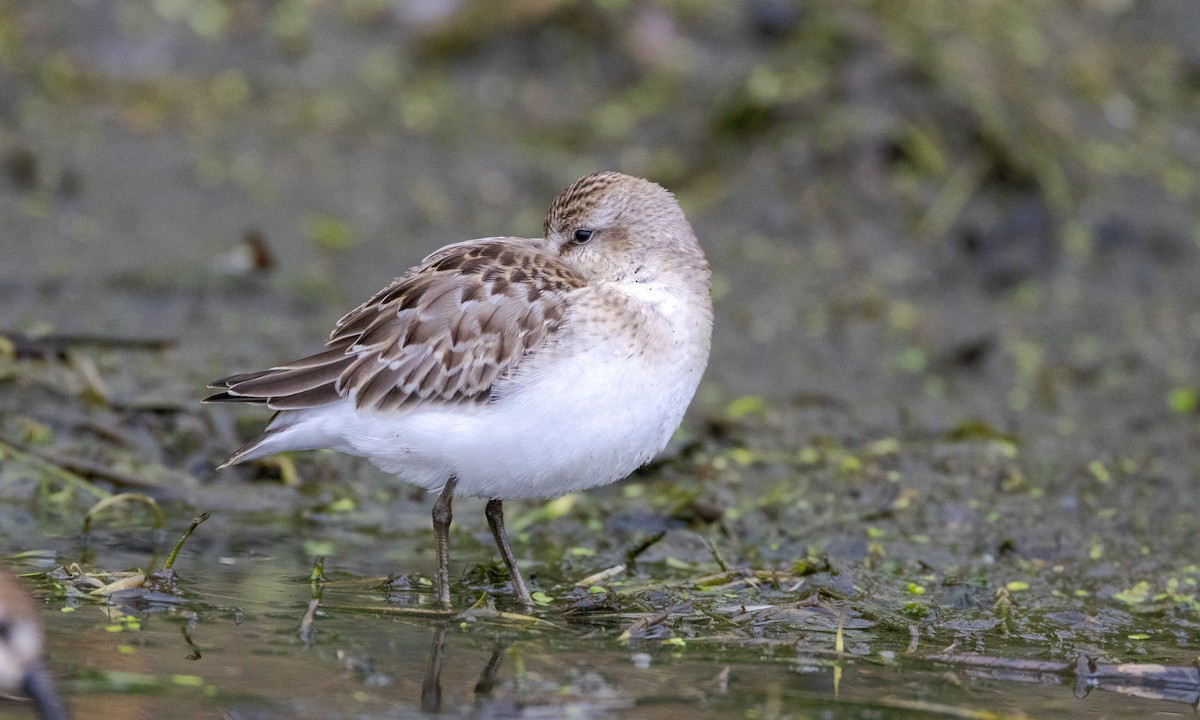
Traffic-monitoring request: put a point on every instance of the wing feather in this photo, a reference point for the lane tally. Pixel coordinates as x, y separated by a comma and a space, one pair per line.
445, 331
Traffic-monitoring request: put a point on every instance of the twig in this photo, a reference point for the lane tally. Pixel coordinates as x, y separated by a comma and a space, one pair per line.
642, 624
42, 346
716, 553
642, 547
603, 575
179, 544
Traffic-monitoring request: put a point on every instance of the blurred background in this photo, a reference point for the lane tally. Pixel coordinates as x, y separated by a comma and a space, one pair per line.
915, 170
955, 246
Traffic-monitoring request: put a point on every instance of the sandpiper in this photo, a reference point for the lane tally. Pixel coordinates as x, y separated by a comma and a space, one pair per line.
21, 650
510, 367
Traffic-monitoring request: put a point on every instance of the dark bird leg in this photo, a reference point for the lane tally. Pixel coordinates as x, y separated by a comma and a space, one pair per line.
38, 686
495, 518
441, 540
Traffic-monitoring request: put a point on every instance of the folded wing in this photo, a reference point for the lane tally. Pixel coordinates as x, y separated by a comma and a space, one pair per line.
445, 331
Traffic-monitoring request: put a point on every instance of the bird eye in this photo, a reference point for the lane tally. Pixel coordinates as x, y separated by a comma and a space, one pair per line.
581, 236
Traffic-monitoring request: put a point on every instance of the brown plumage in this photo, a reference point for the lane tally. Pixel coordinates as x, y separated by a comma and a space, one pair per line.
445, 331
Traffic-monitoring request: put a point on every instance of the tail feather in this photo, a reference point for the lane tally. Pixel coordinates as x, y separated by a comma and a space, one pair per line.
230, 381
286, 382
259, 447
307, 383
290, 430
227, 397
227, 383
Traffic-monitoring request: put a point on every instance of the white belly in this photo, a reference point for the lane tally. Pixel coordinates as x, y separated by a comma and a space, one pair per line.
588, 412
586, 421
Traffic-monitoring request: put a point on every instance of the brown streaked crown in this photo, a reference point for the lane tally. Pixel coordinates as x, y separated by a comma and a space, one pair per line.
578, 200
636, 230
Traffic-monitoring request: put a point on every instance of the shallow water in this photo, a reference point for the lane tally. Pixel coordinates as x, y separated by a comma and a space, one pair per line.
235, 647
238, 634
